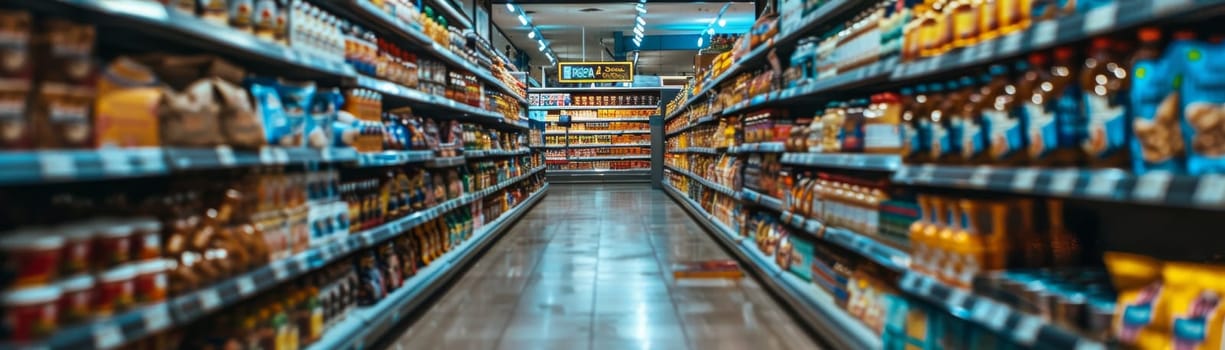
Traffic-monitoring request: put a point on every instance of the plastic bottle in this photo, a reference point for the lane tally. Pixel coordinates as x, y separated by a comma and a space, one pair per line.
1103, 81
944, 146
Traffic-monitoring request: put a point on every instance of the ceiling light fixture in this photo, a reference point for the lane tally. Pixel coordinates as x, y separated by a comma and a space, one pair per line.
640, 8
699, 42
722, 22
638, 30
642, 21
710, 31
522, 19
510, 7
640, 25
531, 34
710, 27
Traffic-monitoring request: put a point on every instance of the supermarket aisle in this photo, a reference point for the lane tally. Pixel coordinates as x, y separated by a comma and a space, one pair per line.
590, 268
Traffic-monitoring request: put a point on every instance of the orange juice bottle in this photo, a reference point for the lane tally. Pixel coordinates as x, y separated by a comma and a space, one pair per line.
920, 251
935, 256
949, 264
965, 24
968, 244
988, 18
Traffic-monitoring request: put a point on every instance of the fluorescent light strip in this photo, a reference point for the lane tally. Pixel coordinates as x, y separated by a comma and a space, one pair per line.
640, 25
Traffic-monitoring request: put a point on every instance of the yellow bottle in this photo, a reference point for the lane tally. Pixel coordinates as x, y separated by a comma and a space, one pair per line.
968, 244
919, 252
949, 263
988, 19
935, 256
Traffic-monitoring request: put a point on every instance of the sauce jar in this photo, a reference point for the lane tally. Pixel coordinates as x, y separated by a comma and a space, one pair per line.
112, 246
78, 247
30, 313
146, 242
76, 299
150, 281
115, 291
29, 256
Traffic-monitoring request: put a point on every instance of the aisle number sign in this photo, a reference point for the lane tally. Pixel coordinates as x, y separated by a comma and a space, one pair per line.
595, 72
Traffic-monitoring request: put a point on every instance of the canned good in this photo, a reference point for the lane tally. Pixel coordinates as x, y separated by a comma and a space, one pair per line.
116, 290
146, 238
112, 246
76, 301
30, 313
150, 281
78, 248
30, 256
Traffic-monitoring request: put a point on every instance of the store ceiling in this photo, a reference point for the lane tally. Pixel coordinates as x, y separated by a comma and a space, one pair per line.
562, 25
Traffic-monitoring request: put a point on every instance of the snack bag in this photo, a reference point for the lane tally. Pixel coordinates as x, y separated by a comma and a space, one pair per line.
1157, 142
270, 109
1140, 315
1203, 105
16, 76
240, 124
296, 99
323, 113
1194, 300
190, 118
125, 112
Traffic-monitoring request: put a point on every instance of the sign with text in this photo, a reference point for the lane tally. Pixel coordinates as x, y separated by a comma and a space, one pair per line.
595, 72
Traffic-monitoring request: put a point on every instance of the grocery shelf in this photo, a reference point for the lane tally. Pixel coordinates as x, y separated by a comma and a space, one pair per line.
601, 89
473, 154
606, 120
389, 158
709, 184
26, 167
364, 327
761, 199
758, 55
133, 325
763, 147
1154, 188
567, 108
599, 145
445, 6
153, 18
445, 162
600, 176
702, 150
874, 249
377, 17
850, 161
694, 123
814, 307
592, 159
1115, 16
421, 100
599, 132
1027, 330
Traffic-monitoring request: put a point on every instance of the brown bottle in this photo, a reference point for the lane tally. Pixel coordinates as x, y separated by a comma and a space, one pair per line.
1104, 83
945, 148
1046, 83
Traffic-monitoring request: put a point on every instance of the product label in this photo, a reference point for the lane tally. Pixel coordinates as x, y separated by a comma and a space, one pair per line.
910, 140
941, 140
971, 136
1107, 127
882, 136
1043, 137
1189, 332
1004, 131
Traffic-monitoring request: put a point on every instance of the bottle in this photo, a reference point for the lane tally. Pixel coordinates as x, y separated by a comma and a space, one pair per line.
1065, 245
1047, 83
944, 97
934, 260
949, 265
969, 122
965, 24
988, 19
968, 244
921, 250
1103, 80
1003, 117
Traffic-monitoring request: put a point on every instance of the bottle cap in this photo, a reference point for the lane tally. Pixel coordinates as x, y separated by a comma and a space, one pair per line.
1150, 34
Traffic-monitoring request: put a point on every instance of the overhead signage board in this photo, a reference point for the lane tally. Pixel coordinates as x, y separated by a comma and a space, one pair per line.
595, 72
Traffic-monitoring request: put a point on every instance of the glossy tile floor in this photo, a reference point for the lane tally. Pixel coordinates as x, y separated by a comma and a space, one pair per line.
591, 268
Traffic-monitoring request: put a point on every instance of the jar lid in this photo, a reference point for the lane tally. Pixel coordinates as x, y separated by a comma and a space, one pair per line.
76, 231
31, 295
120, 273
76, 283
30, 238
115, 228
148, 224
152, 266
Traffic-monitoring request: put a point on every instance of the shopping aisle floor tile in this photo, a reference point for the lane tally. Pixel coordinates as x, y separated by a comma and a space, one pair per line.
590, 268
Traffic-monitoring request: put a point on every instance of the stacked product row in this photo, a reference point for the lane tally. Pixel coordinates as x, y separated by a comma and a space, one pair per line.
607, 129
826, 172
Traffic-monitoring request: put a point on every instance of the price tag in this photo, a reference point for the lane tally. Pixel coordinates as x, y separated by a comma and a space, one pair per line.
225, 156
56, 165
1210, 190
115, 162
1063, 181
1101, 18
151, 160
265, 155
209, 299
279, 271
957, 299
967, 54
1153, 186
1026, 332
1166, 6
245, 285
325, 154
281, 155
999, 316
925, 174
156, 318
1010, 44
107, 336
1103, 184
1044, 33
985, 50
981, 311
980, 176
910, 281
1024, 179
